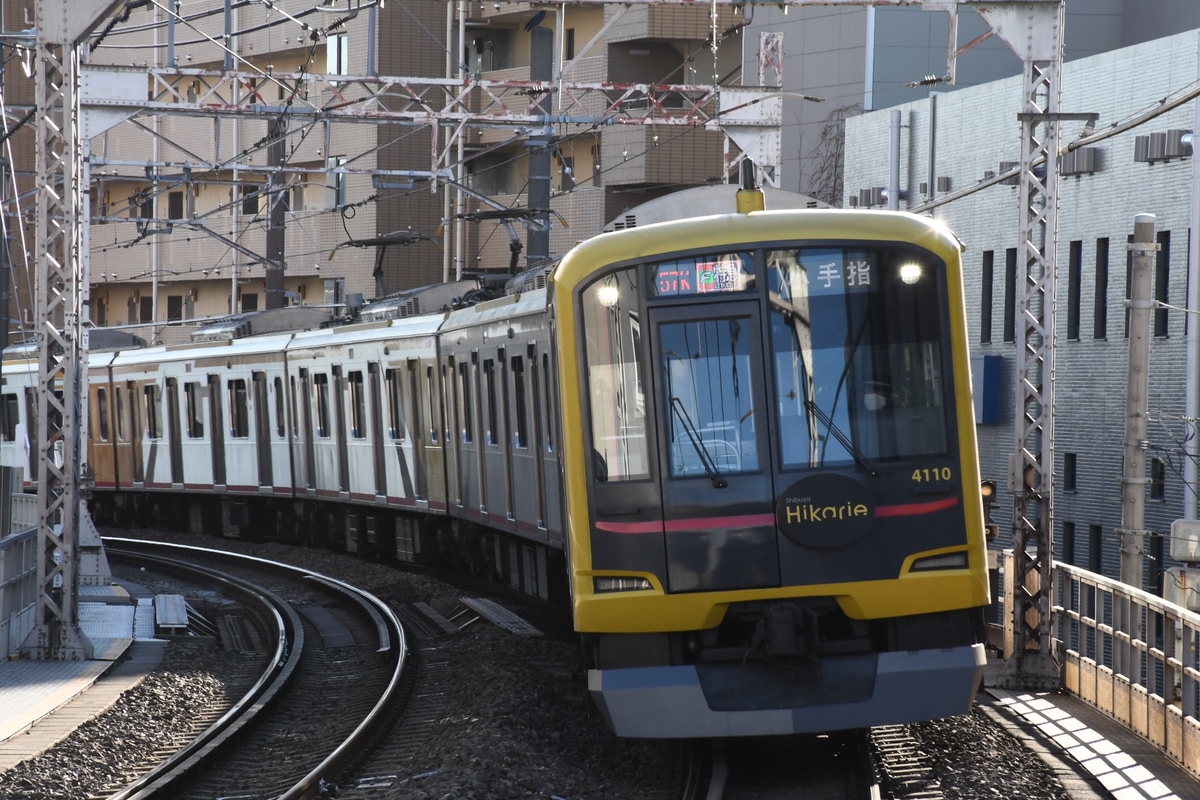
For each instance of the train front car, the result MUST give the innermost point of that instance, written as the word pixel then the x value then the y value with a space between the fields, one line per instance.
pixel 772 483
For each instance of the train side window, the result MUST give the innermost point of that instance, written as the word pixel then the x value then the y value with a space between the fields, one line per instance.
pixel 547 404
pixel 521 434
pixel 195 419
pixel 121 414
pixel 279 412
pixel 153 397
pixel 358 406
pixel 321 390
pixel 464 393
pixel 489 385
pixel 392 385
pixel 102 412
pixel 239 417
pixel 8 417
pixel 613 358
pixel 292 404
pixel 431 396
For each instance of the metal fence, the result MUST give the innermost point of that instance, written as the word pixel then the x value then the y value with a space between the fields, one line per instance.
pixel 1131 654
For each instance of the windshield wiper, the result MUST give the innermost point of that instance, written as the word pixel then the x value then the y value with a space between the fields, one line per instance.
pixel 842 438
pixel 706 459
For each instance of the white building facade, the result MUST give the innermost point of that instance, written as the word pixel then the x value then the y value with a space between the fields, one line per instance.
pixel 952 141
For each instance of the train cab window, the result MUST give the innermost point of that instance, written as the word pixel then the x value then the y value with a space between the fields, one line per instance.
pixel 102 412
pixel 195 418
pixel 239 414
pixel 358 406
pixel 152 397
pixel 709 396
pixel 857 342
pixel 8 417
pixel 321 390
pixel 279 408
pixel 121 435
pixel 521 434
pixel 612 342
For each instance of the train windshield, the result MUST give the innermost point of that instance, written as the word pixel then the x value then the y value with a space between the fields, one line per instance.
pixel 857 341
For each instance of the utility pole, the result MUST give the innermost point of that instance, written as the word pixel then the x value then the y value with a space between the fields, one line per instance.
pixel 277 210
pixel 1133 477
pixel 541 69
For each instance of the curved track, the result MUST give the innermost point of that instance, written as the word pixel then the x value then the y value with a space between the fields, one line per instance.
pixel 331 682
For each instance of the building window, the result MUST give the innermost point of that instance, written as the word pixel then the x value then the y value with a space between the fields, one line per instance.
pixel 1162 280
pixel 1100 323
pixel 9 410
pixel 1158 479
pixel 1074 278
pixel 146 309
pixel 1068 542
pixel 1069 472
pixel 1095 555
pixel 175 308
pixel 249 301
pixel 337 54
pixel 985 299
pixel 175 205
pixel 569 43
pixel 335 196
pixel 1010 294
pixel 250 200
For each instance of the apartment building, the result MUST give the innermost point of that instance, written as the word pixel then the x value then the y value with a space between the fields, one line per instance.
pixel 183 201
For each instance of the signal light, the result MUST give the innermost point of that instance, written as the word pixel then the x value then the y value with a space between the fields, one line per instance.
pixel 987 493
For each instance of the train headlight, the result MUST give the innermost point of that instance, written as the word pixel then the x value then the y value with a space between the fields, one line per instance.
pixel 947 561
pixel 606 584
pixel 910 273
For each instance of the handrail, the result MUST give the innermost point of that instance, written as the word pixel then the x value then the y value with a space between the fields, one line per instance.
pixel 1133 655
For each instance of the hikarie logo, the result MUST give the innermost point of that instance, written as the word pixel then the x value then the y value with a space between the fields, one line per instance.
pixel 827 510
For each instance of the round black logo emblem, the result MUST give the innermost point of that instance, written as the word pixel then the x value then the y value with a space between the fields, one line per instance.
pixel 826 510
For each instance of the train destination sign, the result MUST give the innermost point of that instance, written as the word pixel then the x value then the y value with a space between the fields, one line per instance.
pixel 733 272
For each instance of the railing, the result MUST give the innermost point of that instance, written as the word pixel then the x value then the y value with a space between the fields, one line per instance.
pixel 24 512
pixel 1132 655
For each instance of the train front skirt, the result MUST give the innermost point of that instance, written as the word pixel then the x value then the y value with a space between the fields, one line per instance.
pixel 857 692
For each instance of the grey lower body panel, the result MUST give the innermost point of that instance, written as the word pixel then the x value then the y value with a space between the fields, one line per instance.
pixel 676 702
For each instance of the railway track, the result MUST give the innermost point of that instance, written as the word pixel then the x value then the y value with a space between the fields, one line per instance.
pixel 331 675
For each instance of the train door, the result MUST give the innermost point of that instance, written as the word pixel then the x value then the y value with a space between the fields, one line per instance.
pixel 456 428
pixel 128 420
pixel 492 445
pixel 507 443
pixel 174 443
pixel 216 422
pixel 339 410
pixel 423 440
pixel 528 503
pixel 307 431
pixel 545 415
pixel 375 393
pixel 262 429
pixel 717 492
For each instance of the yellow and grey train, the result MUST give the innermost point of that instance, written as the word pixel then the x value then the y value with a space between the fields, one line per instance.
pixel 742 447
